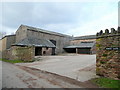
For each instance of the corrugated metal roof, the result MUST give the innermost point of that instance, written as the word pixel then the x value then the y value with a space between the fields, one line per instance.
pixel 82 45
pixel 31 41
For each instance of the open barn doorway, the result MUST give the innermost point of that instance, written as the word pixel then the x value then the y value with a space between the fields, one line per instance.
pixel 84 50
pixel 38 51
pixel 53 49
pixel 70 50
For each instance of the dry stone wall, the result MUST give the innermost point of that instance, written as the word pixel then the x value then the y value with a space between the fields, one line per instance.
pixel 19 53
pixel 108 53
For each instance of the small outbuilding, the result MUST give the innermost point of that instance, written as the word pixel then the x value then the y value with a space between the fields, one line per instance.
pixel 41 46
pixel 81 48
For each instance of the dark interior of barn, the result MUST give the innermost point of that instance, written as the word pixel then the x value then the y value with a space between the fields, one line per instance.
pixel 70 50
pixel 38 51
pixel 83 50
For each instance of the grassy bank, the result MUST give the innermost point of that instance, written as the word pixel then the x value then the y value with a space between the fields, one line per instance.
pixel 106 82
pixel 12 61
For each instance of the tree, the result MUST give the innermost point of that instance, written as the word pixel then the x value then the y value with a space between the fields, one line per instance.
pixel 2 34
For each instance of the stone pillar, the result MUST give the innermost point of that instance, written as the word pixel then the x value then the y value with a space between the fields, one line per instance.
pixel 76 50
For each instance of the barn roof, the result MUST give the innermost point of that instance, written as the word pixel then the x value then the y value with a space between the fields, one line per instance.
pixel 45 31
pixel 8 36
pixel 31 41
pixel 85 37
pixel 82 45
pixel 87 44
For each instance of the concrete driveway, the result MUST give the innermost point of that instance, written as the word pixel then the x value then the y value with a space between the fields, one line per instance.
pixel 79 67
pixel 14 76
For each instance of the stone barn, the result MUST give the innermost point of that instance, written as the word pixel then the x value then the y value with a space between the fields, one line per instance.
pixel 6 42
pixel 30 41
pixel 81 48
pixel 41 46
pixel 58 39
pixel 82 45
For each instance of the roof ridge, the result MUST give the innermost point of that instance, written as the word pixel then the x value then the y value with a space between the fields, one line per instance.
pixel 44 30
pixel 85 36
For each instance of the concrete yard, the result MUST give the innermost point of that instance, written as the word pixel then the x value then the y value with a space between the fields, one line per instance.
pixel 75 66
pixel 66 71
pixel 23 77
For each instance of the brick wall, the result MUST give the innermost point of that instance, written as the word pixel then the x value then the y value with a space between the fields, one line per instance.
pixel 108 53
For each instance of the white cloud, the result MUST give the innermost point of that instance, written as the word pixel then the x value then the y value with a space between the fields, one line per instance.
pixel 105 22
pixel 8 30
pixel 70 18
pixel 61 28
pixel 59 1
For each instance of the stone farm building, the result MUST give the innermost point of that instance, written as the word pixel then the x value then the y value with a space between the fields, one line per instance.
pixel 31 41
pixel 82 45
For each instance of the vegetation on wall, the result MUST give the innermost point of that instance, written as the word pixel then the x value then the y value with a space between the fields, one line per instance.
pixel 12 61
pixel 107 61
pixel 24 53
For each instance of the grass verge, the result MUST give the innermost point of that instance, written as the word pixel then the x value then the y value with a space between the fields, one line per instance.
pixel 12 61
pixel 106 82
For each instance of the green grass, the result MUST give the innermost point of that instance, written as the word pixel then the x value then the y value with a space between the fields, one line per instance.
pixel 12 61
pixel 107 83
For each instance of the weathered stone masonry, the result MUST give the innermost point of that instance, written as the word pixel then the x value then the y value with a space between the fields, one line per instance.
pixel 108 53
pixel 27 31
pixel 30 41
pixel 19 53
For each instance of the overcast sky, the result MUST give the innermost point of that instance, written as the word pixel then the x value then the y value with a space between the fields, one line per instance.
pixel 72 18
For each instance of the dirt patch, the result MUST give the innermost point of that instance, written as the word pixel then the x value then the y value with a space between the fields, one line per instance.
pixel 90 84
pixel 58 79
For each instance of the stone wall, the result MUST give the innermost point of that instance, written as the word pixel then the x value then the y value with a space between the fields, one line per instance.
pixel 61 41
pixel 93 49
pixel 6 42
pixel 48 51
pixel 19 53
pixel 21 33
pixel 0 45
pixel 3 44
pixel 0 48
pixel 108 53
pixel 76 42
pixel 11 39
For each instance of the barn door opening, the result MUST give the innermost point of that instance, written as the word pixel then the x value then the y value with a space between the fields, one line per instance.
pixel 53 41
pixel 70 50
pixel 53 49
pixel 38 51
pixel 84 50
